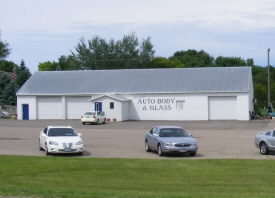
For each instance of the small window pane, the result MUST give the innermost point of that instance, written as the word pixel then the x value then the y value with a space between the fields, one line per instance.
pixel 112 105
pixel 181 104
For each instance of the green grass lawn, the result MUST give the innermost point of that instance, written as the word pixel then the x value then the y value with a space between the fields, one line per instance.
pixel 60 176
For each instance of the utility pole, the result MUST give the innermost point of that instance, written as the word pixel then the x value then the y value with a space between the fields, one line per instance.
pixel 268 78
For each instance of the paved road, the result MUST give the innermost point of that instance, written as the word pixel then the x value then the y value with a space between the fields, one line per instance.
pixel 142 125
pixel 216 139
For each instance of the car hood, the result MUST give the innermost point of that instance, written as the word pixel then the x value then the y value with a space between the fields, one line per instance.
pixel 61 139
pixel 178 140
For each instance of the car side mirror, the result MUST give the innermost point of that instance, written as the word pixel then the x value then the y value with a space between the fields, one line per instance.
pixel 155 134
pixel 79 134
pixel 190 135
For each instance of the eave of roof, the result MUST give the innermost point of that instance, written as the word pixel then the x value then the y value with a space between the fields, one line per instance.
pixel 114 96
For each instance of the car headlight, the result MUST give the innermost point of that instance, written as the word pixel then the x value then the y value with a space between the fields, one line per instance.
pixel 53 143
pixel 194 144
pixel 167 144
pixel 79 142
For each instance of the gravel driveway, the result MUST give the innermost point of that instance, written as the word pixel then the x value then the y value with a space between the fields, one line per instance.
pixel 216 139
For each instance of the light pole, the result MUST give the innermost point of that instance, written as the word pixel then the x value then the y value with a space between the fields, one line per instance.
pixel 268 81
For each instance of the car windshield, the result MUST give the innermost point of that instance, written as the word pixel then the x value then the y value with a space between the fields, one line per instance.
pixel 89 113
pixel 172 132
pixel 61 132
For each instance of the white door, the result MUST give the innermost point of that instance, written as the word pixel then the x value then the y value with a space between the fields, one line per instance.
pixel 222 108
pixel 49 108
pixel 77 106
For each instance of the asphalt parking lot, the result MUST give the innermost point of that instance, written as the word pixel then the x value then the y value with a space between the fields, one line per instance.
pixel 216 139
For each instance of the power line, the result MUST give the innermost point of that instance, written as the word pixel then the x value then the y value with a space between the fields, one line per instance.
pixel 136 59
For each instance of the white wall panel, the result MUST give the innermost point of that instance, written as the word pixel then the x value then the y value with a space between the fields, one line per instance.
pixel 77 106
pixel 164 107
pixel 49 108
pixel 31 101
pixel 223 108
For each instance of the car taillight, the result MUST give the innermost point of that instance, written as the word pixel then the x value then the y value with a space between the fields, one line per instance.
pixel 81 116
pixel 94 117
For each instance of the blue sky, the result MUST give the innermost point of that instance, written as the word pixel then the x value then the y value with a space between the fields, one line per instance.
pixel 40 31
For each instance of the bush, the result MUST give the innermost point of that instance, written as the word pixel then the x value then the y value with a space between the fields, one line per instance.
pixel 257 109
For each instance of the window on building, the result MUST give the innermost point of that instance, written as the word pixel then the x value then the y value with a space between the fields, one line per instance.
pixel 181 104
pixel 112 105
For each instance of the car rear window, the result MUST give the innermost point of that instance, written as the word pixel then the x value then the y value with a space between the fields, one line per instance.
pixel 89 113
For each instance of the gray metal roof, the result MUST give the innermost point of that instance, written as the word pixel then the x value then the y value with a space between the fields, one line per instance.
pixel 176 80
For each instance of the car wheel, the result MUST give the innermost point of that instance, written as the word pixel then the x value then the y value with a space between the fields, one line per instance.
pixel 97 122
pixel 263 148
pixel 46 150
pixel 159 150
pixel 83 123
pixel 104 121
pixel 147 146
pixel 192 154
pixel 40 148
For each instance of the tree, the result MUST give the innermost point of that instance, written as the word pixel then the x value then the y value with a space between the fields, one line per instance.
pixel 260 93
pixel 23 66
pixel 97 53
pixel 260 78
pixel 257 109
pixel 8 96
pixel 4 81
pixel 46 66
pixel 161 62
pixel 23 76
pixel 64 63
pixel 257 69
pixel 146 53
pixel 129 52
pixel 193 58
pixel 8 66
pixel 229 61
pixel 249 62
pixel 9 88
pixel 4 50
pixel 71 63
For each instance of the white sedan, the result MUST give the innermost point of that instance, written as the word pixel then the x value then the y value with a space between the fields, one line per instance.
pixel 93 117
pixel 60 139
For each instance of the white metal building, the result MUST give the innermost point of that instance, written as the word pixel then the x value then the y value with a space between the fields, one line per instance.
pixel 216 93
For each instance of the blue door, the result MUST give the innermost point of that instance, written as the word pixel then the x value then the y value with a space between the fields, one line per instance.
pixel 25 112
pixel 98 106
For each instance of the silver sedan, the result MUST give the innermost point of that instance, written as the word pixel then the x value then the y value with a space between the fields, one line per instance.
pixel 265 141
pixel 170 139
